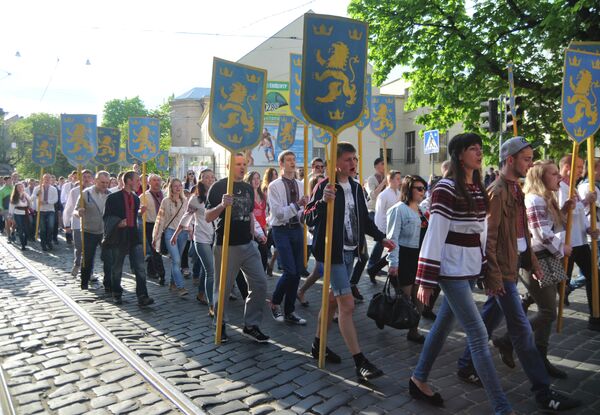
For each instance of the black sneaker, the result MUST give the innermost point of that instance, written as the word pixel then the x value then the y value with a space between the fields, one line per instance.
pixel 429 314
pixel 368 371
pixel 330 356
pixel 356 294
pixel 469 375
pixel 293 318
pixel 505 347
pixel 145 301
pixel 555 402
pixel 254 333
pixel 117 299
pixel 277 314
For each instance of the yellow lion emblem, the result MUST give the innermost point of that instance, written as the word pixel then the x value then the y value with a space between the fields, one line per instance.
pixel 335 67
pixel 581 97
pixel 235 103
pixel 78 139
pixel 162 160
pixel 43 150
pixel 381 115
pixel 143 141
pixel 105 147
pixel 286 136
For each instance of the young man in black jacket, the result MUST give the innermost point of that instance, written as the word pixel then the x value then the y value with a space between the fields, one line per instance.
pixel 351 222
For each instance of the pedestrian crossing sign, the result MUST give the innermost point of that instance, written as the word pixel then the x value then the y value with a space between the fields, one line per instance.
pixel 432 142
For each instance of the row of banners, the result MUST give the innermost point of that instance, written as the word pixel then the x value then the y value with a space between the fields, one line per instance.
pixel 83 143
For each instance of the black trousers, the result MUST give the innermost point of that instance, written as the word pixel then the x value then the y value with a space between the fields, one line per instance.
pixel 582 256
pixel 154 262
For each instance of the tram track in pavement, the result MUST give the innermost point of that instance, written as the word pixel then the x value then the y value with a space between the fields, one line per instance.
pixel 127 343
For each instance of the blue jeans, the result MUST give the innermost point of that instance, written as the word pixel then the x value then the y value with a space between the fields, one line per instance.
pixel 207 266
pixel 46 227
pixel 136 261
pixel 175 252
pixel 340 274
pixel 521 336
pixel 196 263
pixel 458 303
pixel 22 222
pixel 290 245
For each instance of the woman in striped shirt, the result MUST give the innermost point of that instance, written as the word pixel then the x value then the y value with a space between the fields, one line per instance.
pixel 452 256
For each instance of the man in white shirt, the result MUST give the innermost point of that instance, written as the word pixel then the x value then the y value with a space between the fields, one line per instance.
pixel 387 199
pixel 88 179
pixel 581 253
pixel 48 197
pixel 64 194
pixel 286 201
pixel 375 185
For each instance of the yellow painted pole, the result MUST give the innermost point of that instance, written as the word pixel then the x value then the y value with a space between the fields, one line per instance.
pixel 515 132
pixel 305 192
pixel 360 163
pixel 385 161
pixel 561 297
pixel 327 264
pixel 591 177
pixel 81 205
pixel 39 204
pixel 144 204
pixel 225 252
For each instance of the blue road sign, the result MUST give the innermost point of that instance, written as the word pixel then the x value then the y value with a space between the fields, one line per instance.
pixel 432 142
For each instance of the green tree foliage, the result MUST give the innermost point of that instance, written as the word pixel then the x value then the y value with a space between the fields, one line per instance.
pixel 456 53
pixel 117 111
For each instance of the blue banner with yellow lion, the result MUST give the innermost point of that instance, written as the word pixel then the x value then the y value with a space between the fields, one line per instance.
pixel 580 91
pixel 109 142
pixel 43 151
pixel 286 132
pixel 144 134
pixel 320 135
pixel 79 140
pixel 237 98
pixel 130 158
pixel 162 161
pixel 295 86
pixel 383 116
pixel 334 67
pixel 365 118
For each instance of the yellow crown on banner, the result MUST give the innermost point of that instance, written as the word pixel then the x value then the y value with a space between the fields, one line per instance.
pixel 579 132
pixel 336 115
pixel 253 78
pixel 234 138
pixel 596 64
pixel 226 72
pixel 322 30
pixel 355 34
pixel 574 61
pixel 297 61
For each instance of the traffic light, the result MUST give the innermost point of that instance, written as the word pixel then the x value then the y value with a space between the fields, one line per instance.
pixel 518 111
pixel 490 119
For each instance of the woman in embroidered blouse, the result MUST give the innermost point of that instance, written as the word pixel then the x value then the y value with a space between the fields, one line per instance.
pixel 172 209
pixel 405 225
pixel 452 256
pixel 260 211
pixel 17 209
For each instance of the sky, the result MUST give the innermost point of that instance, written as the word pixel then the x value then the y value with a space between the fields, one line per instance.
pixel 150 49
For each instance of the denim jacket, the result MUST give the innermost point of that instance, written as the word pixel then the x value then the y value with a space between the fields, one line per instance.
pixel 404 228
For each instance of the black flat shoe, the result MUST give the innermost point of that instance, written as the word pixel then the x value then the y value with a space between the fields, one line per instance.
pixel 418 394
pixel 416 338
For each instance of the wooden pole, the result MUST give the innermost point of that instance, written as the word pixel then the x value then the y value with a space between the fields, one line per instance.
pixel 39 204
pixel 360 163
pixel 591 176
pixel 81 205
pixel 225 252
pixel 327 263
pixel 561 297
pixel 305 192
pixel 143 200
pixel 385 161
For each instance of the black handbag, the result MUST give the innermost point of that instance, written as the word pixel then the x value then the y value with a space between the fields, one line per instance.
pixel 163 245
pixel 394 310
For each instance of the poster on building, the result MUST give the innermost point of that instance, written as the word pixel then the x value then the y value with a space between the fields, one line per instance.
pixel 277 101
pixel 267 151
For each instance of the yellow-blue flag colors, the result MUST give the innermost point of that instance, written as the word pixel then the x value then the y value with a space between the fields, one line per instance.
pixel 162 161
pixel 286 133
pixel 109 141
pixel 365 118
pixel 591 47
pixel 295 86
pixel 130 158
pixel 236 104
pixel 79 138
pixel 383 116
pixel 334 66
pixel 43 151
pixel 580 92
pixel 320 135
pixel 144 134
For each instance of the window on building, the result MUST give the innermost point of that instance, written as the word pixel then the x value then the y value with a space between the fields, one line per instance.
pixel 319 152
pixel 389 154
pixel 409 138
pixel 195 142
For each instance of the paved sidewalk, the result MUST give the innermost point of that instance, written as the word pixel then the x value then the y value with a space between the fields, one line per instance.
pixel 281 377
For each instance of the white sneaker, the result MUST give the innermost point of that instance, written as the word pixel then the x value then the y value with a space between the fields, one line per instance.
pixel 75 270
pixel 293 318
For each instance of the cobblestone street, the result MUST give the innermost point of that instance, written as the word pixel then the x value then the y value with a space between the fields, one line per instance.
pixel 54 363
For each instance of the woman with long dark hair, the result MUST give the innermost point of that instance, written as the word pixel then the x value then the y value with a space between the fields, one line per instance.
pixel 190 181
pixel 18 209
pixel 260 212
pixel 452 256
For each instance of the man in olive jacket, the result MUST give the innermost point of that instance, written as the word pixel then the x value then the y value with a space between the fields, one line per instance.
pixel 508 248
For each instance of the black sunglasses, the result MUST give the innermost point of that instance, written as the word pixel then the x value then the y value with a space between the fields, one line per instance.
pixel 419 188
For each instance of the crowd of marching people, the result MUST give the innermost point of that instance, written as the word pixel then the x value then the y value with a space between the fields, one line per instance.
pixel 447 235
